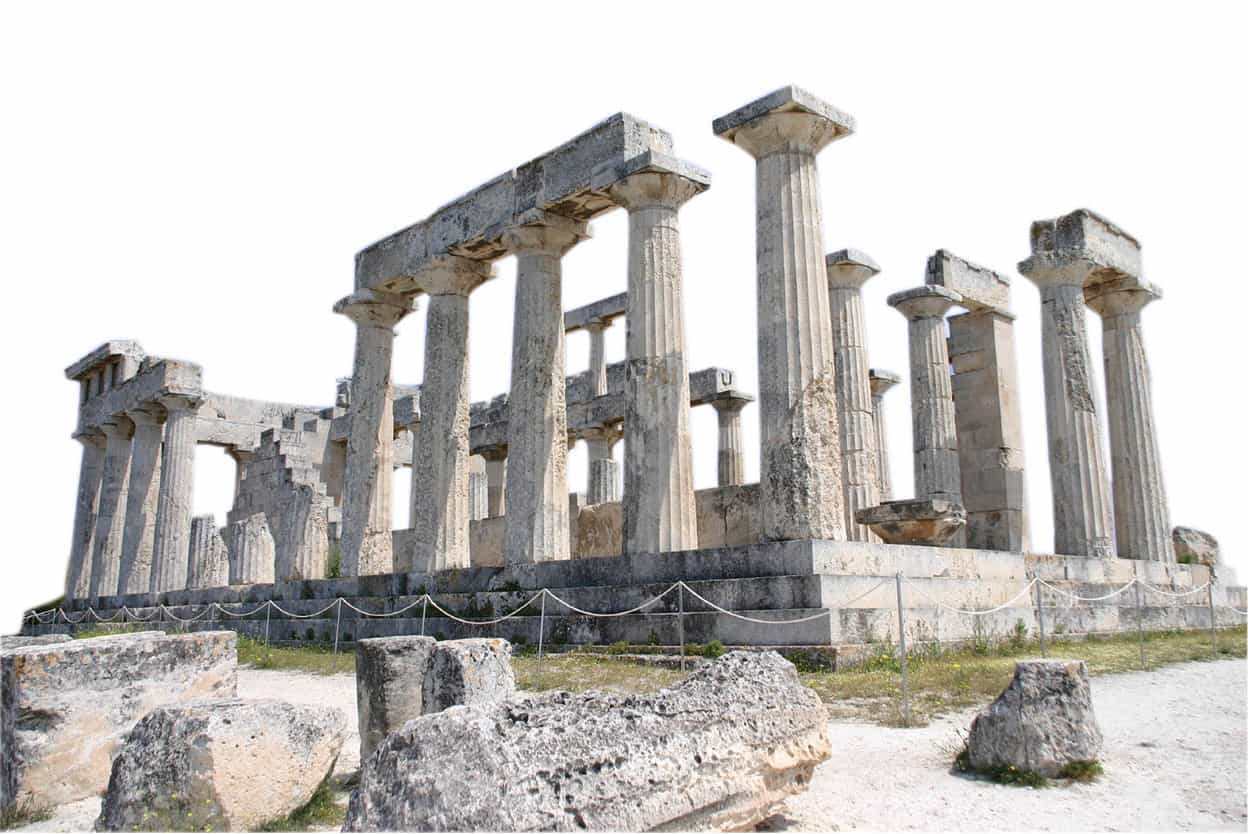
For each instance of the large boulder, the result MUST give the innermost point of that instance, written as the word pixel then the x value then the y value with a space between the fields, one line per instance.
pixel 1042 722
pixel 228 765
pixel 67 706
pixel 1194 547
pixel 719 750
pixel 401 678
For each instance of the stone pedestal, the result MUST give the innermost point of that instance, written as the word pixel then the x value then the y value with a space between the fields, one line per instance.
pixel 731 446
pixel 881 382
pixel 111 515
pixel 659 514
pixel 848 270
pixel 537 425
pixel 439 508
pixel 800 465
pixel 172 548
pixel 142 500
pixel 367 542
pixel 91 470
pixel 1141 512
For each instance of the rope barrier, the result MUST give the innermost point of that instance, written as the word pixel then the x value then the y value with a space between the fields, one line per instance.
pixel 294 616
pixel 1026 590
pixel 494 621
pixel 405 608
pixel 641 607
pixel 826 613
pixel 1174 593
pixel 1066 593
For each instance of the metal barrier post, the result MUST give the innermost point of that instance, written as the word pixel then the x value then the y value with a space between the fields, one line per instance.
pixel 541 633
pixel 337 624
pixel 680 622
pixel 1044 646
pixel 1139 620
pixel 1213 620
pixel 424 609
pixel 268 609
pixel 905 672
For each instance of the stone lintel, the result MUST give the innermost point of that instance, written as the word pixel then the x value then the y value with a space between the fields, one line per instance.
pixel 783 100
pixel 1082 240
pixel 652 162
pixel 560 181
pixel 850 268
pixel 109 350
pixel 601 311
pixel 981 288
pixel 882 380
pixel 166 378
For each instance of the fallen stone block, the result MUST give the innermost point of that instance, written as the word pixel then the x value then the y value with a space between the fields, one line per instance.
pixel 67 706
pixel 401 678
pixel 719 750
pixel 228 765
pixel 10 643
pixel 1042 722
pixel 1195 547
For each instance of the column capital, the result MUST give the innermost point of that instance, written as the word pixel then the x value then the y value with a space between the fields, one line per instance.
pixel 1120 297
pixel 925 302
pixel 492 453
pixel 881 381
pixel 90 437
pixel 786 120
pixel 453 275
pixel 850 268
pixel 375 308
pixel 652 179
pixel 179 402
pixel 730 402
pixel 150 414
pixel 116 426
pixel 1079 249
pixel 544 233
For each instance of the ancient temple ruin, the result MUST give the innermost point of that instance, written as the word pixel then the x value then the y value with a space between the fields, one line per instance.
pixel 490 503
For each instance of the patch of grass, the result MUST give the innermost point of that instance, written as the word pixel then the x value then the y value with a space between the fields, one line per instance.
pixel 579 671
pixel 23 813
pixel 321 811
pixel 104 629
pixel 317 658
pixel 1083 771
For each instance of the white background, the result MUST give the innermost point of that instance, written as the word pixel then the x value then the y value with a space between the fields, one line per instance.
pixel 199 177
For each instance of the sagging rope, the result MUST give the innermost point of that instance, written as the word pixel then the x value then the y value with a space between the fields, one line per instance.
pixel 1066 593
pixel 1008 603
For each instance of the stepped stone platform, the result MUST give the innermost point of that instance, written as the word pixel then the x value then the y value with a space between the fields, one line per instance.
pixel 853 582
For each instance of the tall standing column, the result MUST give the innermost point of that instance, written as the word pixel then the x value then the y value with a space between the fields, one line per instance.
pixel 848 270
pixel 881 382
pixel 440 508
pixel 1141 512
pixel 172 552
pixel 495 479
pixel 537 422
pixel 142 500
pixel 937 473
pixel 366 542
pixel 91 470
pixel 111 516
pixel 731 469
pixel 801 495
pixel 659 512
pixel 597 357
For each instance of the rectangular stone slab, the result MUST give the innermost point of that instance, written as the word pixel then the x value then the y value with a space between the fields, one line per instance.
pixel 980 287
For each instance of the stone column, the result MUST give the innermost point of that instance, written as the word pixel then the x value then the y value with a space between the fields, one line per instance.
pixel 142 499
pixel 440 512
pixel 537 423
pixel 172 550
pixel 659 512
pixel 597 357
pixel 495 478
pixel 731 444
pixel 1081 499
pixel 881 382
pixel 78 579
pixel 367 536
pixel 111 515
pixel 1141 512
pixel 604 471
pixel 478 496
pixel 799 431
pixel 848 270
pixel 936 470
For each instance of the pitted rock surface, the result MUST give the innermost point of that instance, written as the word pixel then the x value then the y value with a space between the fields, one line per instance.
pixel 719 750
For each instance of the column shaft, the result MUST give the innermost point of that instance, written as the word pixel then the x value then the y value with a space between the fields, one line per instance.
pixel 603 486
pixel 171 555
pixel 110 518
pixel 91 470
pixel 881 382
pixel 142 500
pixel 496 478
pixel 597 358
pixel 936 470
pixel 731 468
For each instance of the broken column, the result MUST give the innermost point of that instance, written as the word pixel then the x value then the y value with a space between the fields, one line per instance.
pixel 1066 253
pixel 142 500
pixel 604 471
pixel 439 508
pixel 172 544
pixel 800 438
pixel 111 515
pixel 847 271
pixel 90 472
pixel 209 565
pixel 537 426
pixel 367 538
pixel 936 470
pixel 659 511
pixel 731 469
pixel 1141 512
pixel 881 382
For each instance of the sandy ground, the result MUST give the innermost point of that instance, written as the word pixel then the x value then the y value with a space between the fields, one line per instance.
pixel 1176 759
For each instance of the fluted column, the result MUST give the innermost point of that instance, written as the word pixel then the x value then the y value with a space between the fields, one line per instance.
pixel 111 515
pixel 1141 511
pixel 597 357
pixel 937 473
pixel 801 496
pixel 848 270
pixel 142 500
pixel 495 479
pixel 604 471
pixel 659 512
pixel 366 543
pixel 731 445
pixel 537 419
pixel 440 510
pixel 881 382
pixel 1082 525
pixel 171 554
pixel 478 495
pixel 90 472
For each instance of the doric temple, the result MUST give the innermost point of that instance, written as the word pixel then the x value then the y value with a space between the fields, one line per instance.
pixel 491 511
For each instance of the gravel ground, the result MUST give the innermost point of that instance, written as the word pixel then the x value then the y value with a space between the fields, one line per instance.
pixel 1176 758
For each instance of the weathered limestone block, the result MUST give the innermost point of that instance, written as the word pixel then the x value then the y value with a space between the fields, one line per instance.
pixel 11 643
pixel 475 671
pixel 928 521
pixel 209 560
pixel 719 750
pixel 227 765
pixel 1042 722
pixel 66 707
pixel 1195 547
